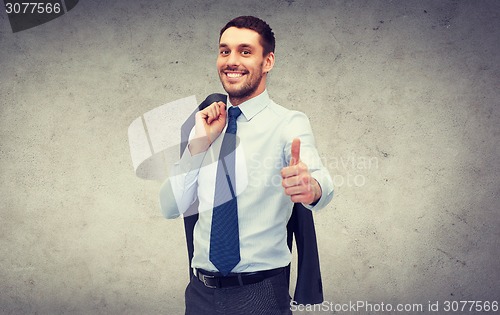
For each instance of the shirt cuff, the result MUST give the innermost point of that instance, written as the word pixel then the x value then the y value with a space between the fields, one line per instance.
pixel 325 182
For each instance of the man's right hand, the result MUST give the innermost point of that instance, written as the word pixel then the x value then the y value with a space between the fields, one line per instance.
pixel 209 124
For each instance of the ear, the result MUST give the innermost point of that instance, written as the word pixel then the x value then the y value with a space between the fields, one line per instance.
pixel 268 62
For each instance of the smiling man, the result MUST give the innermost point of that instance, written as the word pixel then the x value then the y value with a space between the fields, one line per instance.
pixel 267 161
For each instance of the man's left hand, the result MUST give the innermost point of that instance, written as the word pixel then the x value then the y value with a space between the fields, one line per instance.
pixel 297 180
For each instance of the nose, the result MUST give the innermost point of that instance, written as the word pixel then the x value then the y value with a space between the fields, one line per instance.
pixel 233 59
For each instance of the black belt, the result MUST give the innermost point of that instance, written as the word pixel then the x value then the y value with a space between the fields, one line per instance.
pixel 213 280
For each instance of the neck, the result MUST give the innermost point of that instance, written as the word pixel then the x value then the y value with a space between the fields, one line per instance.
pixel 235 100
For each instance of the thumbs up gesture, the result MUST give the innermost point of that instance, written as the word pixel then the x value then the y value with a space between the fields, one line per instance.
pixel 297 180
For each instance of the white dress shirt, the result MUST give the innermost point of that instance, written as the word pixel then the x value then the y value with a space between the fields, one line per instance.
pixel 265 132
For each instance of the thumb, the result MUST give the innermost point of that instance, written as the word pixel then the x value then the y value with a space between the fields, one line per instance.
pixel 222 108
pixel 295 152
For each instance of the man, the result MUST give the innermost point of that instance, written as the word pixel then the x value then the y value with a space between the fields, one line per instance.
pixel 245 193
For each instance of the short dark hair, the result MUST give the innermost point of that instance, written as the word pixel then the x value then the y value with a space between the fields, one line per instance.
pixel 255 24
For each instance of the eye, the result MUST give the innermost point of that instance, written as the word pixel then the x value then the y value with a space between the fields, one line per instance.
pixel 224 52
pixel 246 52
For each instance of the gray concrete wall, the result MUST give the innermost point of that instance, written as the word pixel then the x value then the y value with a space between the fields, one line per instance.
pixel 403 97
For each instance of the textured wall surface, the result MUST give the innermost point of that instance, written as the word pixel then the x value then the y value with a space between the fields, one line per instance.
pixel 403 97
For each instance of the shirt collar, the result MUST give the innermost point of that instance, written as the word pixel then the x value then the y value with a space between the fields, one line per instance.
pixel 253 106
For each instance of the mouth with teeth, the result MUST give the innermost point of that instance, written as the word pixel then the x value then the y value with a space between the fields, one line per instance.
pixel 234 76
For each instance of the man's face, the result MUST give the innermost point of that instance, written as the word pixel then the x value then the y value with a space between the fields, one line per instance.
pixel 241 63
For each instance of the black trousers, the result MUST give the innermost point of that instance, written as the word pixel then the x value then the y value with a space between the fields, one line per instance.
pixel 268 297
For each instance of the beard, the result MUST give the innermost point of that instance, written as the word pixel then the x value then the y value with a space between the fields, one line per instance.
pixel 244 89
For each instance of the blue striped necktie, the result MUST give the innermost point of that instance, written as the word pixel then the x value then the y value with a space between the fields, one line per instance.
pixel 224 234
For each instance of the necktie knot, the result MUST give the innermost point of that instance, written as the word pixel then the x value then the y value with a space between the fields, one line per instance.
pixel 233 113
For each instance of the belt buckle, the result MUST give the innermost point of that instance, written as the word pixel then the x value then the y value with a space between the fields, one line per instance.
pixel 205 282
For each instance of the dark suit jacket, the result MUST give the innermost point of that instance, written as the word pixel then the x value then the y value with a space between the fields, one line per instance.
pixel 309 288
